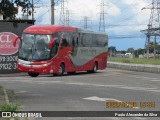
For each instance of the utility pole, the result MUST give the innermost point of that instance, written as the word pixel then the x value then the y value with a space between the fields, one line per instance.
pixel 102 26
pixel 32 9
pixel 52 12
pixel 154 25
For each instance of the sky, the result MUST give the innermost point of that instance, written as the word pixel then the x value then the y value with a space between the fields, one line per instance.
pixel 124 19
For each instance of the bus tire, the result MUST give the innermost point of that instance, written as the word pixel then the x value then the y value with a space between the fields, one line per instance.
pixel 95 68
pixel 33 74
pixel 60 71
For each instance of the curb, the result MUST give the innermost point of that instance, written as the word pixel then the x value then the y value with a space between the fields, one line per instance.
pixel 7 101
pixel 13 74
pixel 135 67
pixel 6 96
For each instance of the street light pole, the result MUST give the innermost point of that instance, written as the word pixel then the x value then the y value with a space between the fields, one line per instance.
pixel 32 10
pixel 52 12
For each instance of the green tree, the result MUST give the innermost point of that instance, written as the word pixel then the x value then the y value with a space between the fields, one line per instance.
pixel 130 50
pixel 151 47
pixel 139 52
pixel 10 9
pixel 26 6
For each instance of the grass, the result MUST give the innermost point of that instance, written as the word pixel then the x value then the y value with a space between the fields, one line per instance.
pixel 135 60
pixel 8 107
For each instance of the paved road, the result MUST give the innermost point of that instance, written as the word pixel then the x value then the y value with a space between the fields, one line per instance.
pixel 86 92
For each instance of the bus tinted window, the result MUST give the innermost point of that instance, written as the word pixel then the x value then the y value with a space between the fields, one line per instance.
pixel 94 40
pixel 86 39
pixel 102 41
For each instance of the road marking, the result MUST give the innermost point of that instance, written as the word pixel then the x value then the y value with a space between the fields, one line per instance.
pixel 21 92
pixel 95 98
pixel 155 80
pixel 117 86
pixel 39 81
pixel 138 88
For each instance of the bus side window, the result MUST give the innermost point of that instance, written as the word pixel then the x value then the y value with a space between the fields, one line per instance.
pixel 83 40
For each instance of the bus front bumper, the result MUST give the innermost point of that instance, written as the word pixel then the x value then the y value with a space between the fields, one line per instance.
pixel 41 68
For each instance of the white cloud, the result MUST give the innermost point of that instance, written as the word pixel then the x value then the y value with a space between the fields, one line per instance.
pixel 133 18
pixel 91 9
pixel 136 7
pixel 78 9
pixel 124 14
pixel 113 10
pixel 43 15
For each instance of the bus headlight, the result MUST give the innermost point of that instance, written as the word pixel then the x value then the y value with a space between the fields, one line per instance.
pixel 47 64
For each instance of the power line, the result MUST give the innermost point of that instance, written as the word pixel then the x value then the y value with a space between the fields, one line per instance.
pixel 57 2
pixel 125 37
pixel 125 25
pixel 43 14
pixel 37 2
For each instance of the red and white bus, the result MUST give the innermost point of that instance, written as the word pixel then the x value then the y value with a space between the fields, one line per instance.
pixel 58 49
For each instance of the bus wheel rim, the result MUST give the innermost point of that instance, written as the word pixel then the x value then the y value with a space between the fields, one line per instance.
pixel 95 68
pixel 60 70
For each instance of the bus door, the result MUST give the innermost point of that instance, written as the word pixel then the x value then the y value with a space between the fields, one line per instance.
pixel 64 48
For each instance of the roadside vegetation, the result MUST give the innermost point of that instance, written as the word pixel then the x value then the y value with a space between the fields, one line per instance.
pixel 8 107
pixel 135 60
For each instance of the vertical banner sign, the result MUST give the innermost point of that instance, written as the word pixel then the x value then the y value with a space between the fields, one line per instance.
pixel 8 53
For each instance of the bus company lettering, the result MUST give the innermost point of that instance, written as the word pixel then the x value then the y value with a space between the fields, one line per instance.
pixel 6 43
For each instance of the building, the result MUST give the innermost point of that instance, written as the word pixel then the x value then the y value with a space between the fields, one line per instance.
pixel 112 51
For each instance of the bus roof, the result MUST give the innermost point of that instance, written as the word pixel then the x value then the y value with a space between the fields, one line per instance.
pixel 51 29
pixel 90 31
pixel 48 29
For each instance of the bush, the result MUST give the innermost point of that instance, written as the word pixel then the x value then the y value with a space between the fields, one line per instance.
pixel 9 107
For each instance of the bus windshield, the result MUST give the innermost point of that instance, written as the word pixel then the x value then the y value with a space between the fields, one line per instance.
pixel 34 47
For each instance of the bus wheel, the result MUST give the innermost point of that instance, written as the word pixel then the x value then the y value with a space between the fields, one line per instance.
pixel 33 74
pixel 61 70
pixel 95 68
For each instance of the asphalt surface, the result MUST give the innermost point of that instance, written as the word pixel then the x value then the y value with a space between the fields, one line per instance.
pixel 86 92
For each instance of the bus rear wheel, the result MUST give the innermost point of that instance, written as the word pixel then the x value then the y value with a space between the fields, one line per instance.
pixel 33 74
pixel 95 68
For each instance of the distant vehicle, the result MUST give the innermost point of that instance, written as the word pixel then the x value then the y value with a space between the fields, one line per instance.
pixel 59 49
pixel 128 54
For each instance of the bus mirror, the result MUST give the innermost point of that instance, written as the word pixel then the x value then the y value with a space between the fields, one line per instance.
pixel 15 41
pixel 51 42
